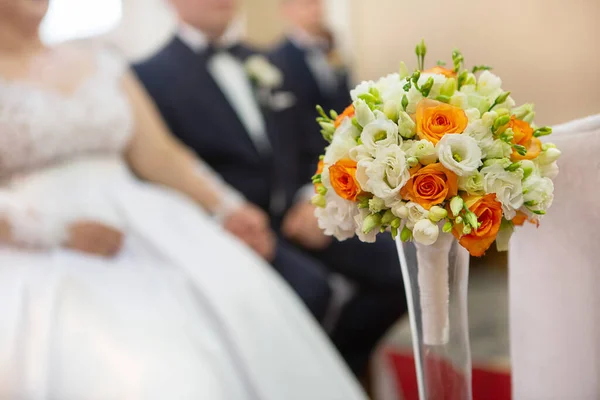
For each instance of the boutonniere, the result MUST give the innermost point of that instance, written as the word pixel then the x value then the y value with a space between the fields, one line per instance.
pixel 263 73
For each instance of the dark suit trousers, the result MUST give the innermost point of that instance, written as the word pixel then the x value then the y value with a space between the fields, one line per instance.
pixel 378 303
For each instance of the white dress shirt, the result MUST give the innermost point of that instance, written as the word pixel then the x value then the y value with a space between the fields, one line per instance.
pixel 230 75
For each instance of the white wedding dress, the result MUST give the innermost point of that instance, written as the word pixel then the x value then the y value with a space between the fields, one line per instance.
pixel 183 312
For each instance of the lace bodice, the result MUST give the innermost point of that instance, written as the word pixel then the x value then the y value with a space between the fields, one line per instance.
pixel 39 127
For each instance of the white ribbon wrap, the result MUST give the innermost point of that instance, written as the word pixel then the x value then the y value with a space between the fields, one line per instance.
pixel 434 289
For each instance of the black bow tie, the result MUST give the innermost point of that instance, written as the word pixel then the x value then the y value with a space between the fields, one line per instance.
pixel 212 50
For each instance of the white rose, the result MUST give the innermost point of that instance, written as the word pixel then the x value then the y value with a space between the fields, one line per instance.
pixel 385 175
pixel 343 141
pixel 259 68
pixel 423 150
pixel 507 187
pixel 539 193
pixel 426 232
pixel 415 214
pixel 364 114
pixel 472 184
pixel 459 153
pixel 363 88
pixel 337 218
pixel 380 133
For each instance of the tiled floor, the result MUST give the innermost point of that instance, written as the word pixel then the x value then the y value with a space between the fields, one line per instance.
pixel 488 313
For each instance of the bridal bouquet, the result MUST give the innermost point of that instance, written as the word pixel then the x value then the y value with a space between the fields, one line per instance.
pixel 441 150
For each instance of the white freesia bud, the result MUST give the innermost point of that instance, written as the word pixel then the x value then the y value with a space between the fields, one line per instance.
pixel 390 109
pixel 459 153
pixel 507 187
pixel 406 126
pixel 380 133
pixel 549 170
pixel 437 213
pixel 472 184
pixel 497 149
pixel 549 156
pixel 364 115
pixel 265 73
pixel 376 204
pixel 488 118
pixel 412 161
pixel 527 166
pixel 385 175
pixel 426 232
pixel 456 205
pixel 424 151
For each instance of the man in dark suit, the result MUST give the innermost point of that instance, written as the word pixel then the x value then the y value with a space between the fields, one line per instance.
pixel 222 101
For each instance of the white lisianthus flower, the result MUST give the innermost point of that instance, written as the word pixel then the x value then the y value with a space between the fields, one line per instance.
pixel 460 100
pixel 423 150
pixel 549 170
pixel 380 133
pixel 482 135
pixel 385 175
pixel 426 232
pixel 415 214
pixel 459 153
pixel 359 153
pixel 472 184
pixel 539 194
pixel 507 187
pixel 473 114
pixel 265 73
pixel 488 118
pixel 497 149
pixel 359 220
pixel 489 84
pixel 390 88
pixel 363 88
pixel 343 141
pixel 337 218
pixel 364 114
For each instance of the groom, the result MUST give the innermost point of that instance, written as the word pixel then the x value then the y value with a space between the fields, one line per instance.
pixel 224 104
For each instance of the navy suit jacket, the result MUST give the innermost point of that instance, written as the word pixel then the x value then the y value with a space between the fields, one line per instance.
pixel 199 114
pixel 299 79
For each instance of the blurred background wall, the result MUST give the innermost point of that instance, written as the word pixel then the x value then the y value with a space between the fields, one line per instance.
pixel 547 51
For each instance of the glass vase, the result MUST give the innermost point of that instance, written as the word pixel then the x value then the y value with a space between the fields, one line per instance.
pixel 436 291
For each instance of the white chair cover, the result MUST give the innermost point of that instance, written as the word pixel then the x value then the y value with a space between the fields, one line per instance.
pixel 555 280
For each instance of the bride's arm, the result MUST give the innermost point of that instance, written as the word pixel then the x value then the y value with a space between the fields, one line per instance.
pixel 157 156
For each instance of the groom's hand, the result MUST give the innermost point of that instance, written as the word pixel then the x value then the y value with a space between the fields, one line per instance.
pixel 252 225
pixel 300 225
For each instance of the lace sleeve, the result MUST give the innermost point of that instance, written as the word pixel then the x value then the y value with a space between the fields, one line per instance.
pixel 30 227
pixel 231 199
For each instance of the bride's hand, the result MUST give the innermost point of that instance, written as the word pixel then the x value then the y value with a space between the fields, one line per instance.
pixel 94 238
pixel 251 225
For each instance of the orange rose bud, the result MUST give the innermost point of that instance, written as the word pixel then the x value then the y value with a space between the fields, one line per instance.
pixel 348 113
pixel 342 175
pixel 448 73
pixel 435 119
pixel 523 136
pixel 430 186
pixel 489 214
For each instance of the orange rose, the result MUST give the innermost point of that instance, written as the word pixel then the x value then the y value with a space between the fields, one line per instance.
pixel 489 214
pixel 430 185
pixel 348 113
pixel 435 119
pixel 320 167
pixel 523 136
pixel 448 73
pixel 521 218
pixel 342 175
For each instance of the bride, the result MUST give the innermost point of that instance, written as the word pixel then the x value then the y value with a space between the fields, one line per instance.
pixel 111 288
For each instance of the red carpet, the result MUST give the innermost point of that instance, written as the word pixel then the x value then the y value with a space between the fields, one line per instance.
pixel 488 384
